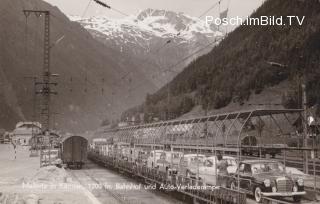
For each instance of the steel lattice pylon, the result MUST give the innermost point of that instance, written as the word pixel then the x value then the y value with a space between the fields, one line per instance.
pixel 45 90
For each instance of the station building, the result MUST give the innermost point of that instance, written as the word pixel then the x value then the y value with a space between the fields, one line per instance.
pixel 24 131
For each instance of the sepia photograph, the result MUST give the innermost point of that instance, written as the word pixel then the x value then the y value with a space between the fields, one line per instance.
pixel 159 101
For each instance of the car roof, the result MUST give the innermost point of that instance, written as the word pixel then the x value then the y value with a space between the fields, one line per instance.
pixel 228 157
pixel 224 157
pixel 194 155
pixel 255 161
pixel 158 150
pixel 173 152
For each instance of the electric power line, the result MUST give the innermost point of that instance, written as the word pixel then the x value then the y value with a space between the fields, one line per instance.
pixel 170 68
pixel 101 3
pixel 85 10
pixel 209 9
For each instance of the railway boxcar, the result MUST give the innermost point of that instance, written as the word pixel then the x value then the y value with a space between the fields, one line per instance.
pixel 74 151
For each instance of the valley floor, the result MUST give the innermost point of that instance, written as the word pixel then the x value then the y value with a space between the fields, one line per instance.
pixel 22 181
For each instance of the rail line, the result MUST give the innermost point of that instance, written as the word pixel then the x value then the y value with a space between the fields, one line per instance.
pixel 118 196
pixel 249 199
pixel 106 181
pixel 80 178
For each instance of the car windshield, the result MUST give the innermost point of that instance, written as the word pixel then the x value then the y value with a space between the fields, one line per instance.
pixel 196 164
pixel 266 167
pixel 175 155
pixel 197 158
pixel 231 162
pixel 158 154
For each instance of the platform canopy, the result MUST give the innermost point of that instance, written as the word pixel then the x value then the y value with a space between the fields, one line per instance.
pixel 219 117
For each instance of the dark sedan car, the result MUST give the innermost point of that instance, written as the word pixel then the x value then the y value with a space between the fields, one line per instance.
pixel 265 178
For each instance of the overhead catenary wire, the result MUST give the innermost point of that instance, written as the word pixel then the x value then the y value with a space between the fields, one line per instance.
pixel 92 83
pixel 179 33
pixel 192 54
pixel 86 9
pixel 101 3
pixel 116 10
pixel 170 68
pixel 209 9
pixel 106 6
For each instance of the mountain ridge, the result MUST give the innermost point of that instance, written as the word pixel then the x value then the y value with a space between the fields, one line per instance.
pixel 155 38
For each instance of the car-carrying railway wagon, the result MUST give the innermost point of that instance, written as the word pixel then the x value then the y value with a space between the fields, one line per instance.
pixel 200 136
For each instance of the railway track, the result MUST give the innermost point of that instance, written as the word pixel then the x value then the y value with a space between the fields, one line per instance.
pixel 250 199
pixel 107 187
pixel 86 181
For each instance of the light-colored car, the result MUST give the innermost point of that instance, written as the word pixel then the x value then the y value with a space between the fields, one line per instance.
pixel 208 171
pixel 189 163
pixel 153 157
pixel 169 161
pixel 296 173
pixel 139 156
pixel 127 154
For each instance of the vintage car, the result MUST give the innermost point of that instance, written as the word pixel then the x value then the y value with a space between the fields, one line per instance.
pixel 189 164
pixel 168 162
pixel 267 178
pixel 153 157
pixel 140 156
pixel 209 170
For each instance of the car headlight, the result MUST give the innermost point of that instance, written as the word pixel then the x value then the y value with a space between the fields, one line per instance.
pixel 300 182
pixel 274 189
pixel 267 182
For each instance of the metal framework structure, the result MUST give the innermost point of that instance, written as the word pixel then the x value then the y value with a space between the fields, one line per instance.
pixel 226 133
pixel 222 130
pixel 45 90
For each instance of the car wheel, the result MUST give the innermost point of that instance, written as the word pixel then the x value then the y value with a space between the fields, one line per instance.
pixel 233 186
pixel 297 199
pixel 258 194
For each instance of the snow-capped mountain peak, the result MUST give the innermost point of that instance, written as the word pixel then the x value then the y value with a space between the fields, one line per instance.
pixel 154 39
pixel 160 23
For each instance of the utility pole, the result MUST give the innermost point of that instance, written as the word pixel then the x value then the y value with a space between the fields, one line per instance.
pixel 46 75
pixel 303 85
pixel 34 102
pixel 168 116
pixel 54 119
pixel 305 123
pixel 304 120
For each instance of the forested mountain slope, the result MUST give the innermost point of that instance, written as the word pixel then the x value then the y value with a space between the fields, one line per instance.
pixel 238 66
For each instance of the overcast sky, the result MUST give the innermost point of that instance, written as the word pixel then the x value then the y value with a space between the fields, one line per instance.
pixel 195 8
